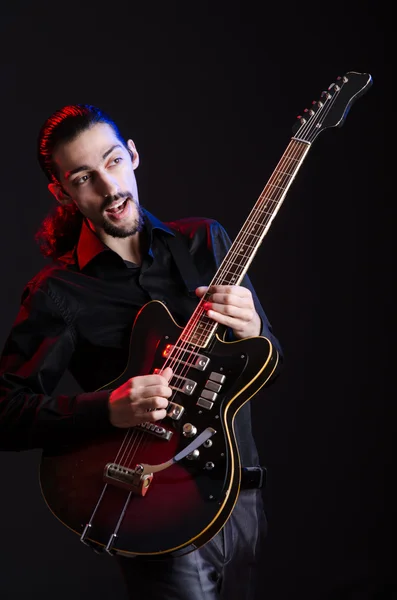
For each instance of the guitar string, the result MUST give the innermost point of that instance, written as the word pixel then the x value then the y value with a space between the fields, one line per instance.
pixel 180 349
pixel 199 312
pixel 306 125
pixel 172 359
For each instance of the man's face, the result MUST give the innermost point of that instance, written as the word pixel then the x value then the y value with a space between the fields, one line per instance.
pixel 97 173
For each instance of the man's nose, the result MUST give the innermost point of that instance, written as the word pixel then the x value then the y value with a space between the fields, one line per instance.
pixel 107 185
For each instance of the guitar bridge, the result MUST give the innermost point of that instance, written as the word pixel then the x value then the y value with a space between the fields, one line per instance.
pixel 132 480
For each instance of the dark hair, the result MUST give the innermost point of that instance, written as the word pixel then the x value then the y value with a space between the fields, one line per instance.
pixel 60 230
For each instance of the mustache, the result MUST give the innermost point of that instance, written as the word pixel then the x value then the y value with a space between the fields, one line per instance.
pixel 108 201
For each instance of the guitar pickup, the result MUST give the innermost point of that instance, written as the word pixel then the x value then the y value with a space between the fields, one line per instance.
pixel 175 411
pixel 180 384
pixel 186 386
pixel 187 357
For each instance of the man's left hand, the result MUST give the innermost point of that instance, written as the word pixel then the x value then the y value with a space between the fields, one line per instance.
pixel 233 306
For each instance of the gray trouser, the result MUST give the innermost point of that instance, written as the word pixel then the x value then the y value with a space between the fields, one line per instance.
pixel 225 568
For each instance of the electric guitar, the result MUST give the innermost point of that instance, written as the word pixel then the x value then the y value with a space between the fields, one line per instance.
pixel 166 488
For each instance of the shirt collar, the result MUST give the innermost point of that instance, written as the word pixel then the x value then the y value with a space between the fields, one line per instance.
pixel 89 245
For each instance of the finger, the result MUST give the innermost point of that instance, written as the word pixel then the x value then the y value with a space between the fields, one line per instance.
pixel 151 391
pixel 236 290
pixel 229 300
pixel 228 310
pixel 153 403
pixel 200 291
pixel 222 319
pixel 155 415
pixel 167 373
pixel 153 379
pixel 165 376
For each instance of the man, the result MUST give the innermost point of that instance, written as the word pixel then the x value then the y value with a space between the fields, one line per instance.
pixel 110 257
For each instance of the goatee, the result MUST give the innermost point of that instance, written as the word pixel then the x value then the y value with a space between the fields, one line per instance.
pixel 119 232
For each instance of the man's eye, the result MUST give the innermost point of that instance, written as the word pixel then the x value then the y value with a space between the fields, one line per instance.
pixel 81 180
pixel 117 160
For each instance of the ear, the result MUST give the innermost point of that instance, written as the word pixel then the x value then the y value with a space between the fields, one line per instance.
pixel 134 154
pixel 59 193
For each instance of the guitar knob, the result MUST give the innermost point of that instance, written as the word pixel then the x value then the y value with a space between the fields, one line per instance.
pixel 194 455
pixel 189 430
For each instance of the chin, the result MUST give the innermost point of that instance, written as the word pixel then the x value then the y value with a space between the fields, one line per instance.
pixel 123 231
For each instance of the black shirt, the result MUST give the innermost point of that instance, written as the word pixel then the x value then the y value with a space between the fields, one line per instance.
pixel 78 313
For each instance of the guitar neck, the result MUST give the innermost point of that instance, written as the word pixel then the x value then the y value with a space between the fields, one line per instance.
pixel 242 251
pixel 200 329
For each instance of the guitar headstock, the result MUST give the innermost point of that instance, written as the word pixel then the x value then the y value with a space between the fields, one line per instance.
pixel 332 108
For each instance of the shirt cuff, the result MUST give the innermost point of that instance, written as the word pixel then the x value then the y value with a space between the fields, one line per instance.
pixel 92 411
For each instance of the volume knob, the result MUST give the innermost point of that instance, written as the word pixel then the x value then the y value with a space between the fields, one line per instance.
pixel 189 430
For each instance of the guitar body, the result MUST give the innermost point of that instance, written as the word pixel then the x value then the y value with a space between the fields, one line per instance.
pixel 188 502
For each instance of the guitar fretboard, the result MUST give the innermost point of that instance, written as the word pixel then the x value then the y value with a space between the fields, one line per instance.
pixel 200 328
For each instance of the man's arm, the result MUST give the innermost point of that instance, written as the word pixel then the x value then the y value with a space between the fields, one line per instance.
pixel 35 356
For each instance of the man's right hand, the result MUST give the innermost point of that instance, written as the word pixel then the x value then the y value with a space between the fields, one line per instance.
pixel 140 399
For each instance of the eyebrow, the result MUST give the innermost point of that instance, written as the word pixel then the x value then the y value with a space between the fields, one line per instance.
pixel 86 167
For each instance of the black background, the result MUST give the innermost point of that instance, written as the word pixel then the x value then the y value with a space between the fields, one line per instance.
pixel 209 92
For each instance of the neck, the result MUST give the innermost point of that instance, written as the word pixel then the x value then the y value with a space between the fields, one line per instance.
pixel 129 248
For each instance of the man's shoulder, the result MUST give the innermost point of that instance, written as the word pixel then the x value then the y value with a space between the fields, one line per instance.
pixel 42 279
pixel 191 226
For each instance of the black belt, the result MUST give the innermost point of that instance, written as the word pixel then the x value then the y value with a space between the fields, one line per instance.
pixel 252 478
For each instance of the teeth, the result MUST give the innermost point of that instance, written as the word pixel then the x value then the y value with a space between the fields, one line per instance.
pixel 117 205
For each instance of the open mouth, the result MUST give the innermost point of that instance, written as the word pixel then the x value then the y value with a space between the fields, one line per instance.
pixel 119 210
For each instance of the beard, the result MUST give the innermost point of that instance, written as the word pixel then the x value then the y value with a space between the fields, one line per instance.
pixel 122 231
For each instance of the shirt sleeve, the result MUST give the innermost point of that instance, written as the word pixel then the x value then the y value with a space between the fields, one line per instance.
pixel 35 357
pixel 221 244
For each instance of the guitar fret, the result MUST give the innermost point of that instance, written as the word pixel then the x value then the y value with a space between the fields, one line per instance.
pixel 265 212
pixel 245 244
pixel 201 332
pixel 276 186
pixel 254 234
pixel 241 254
pixel 270 199
pixel 292 158
pixel 284 172
pixel 235 264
